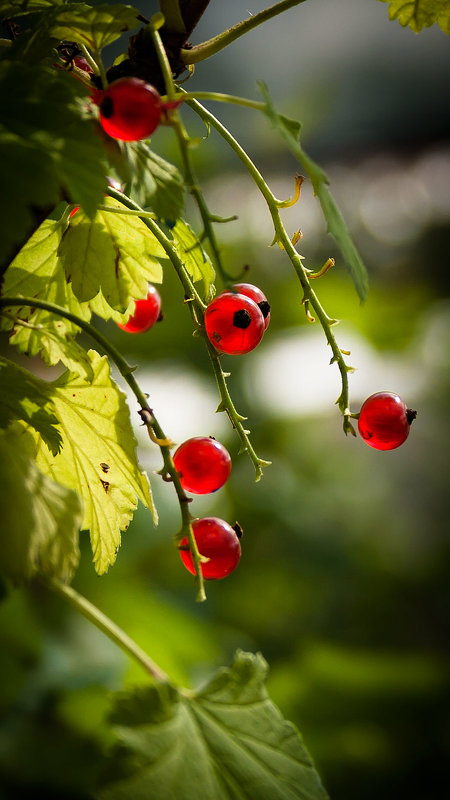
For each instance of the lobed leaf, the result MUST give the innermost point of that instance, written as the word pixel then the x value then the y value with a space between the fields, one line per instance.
pixel 37 272
pixel 154 182
pixel 114 253
pixel 290 130
pixel 225 742
pixel 419 14
pixel 48 146
pixel 98 458
pixel 40 518
pixel 95 27
pixel 22 398
pixel 196 260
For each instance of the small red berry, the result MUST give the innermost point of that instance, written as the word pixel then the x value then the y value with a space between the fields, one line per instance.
pixel 130 109
pixel 82 64
pixel 384 420
pixel 216 540
pixel 234 323
pixel 203 464
pixel 258 296
pixel 147 312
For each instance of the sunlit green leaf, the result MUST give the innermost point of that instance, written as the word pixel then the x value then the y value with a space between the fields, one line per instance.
pixel 98 459
pixel 38 273
pixel 40 518
pixel 225 742
pixel 114 252
pixel 152 181
pixel 419 14
pixel 290 130
pixel 95 27
pixel 21 398
pixel 196 260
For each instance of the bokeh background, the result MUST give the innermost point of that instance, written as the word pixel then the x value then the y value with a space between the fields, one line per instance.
pixel 343 584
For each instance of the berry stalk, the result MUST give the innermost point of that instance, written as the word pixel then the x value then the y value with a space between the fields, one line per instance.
pixel 282 237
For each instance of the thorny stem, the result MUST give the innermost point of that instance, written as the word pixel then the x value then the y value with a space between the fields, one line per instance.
pixel 190 178
pixel 107 626
pixel 281 236
pixel 217 43
pixel 197 309
pixel 146 414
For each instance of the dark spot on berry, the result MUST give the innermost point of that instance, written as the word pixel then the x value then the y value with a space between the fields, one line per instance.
pixel 105 485
pixel 238 530
pixel 410 415
pixel 265 308
pixel 105 467
pixel 216 336
pixel 107 107
pixel 242 319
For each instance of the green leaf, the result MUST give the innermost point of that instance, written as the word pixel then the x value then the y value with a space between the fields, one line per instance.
pixel 21 398
pixel 290 130
pixel 154 182
pixel 47 147
pixel 37 272
pixel 95 27
pixel 419 14
pixel 226 742
pixel 40 518
pixel 196 260
pixel 16 8
pixel 114 252
pixel 98 458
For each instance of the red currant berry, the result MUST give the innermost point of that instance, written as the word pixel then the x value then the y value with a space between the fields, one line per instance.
pixel 203 464
pixel 82 64
pixel 216 540
pixel 258 296
pixel 147 312
pixel 130 109
pixel 234 323
pixel 384 420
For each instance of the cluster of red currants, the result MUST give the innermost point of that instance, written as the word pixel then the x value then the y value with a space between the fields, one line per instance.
pixel 204 465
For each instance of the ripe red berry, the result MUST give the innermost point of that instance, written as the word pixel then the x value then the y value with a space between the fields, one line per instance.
pixel 258 296
pixel 216 540
pixel 130 109
pixel 384 420
pixel 147 312
pixel 82 64
pixel 234 323
pixel 203 464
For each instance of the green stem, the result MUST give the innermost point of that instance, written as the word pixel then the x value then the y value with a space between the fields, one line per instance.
pixel 217 43
pixel 197 308
pixel 168 246
pixel 5 42
pixel 220 97
pixel 108 627
pixel 163 62
pixel 146 414
pixel 281 236
pixel 91 61
pixel 190 178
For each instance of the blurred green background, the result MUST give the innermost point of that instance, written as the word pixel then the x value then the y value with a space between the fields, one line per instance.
pixel 343 584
